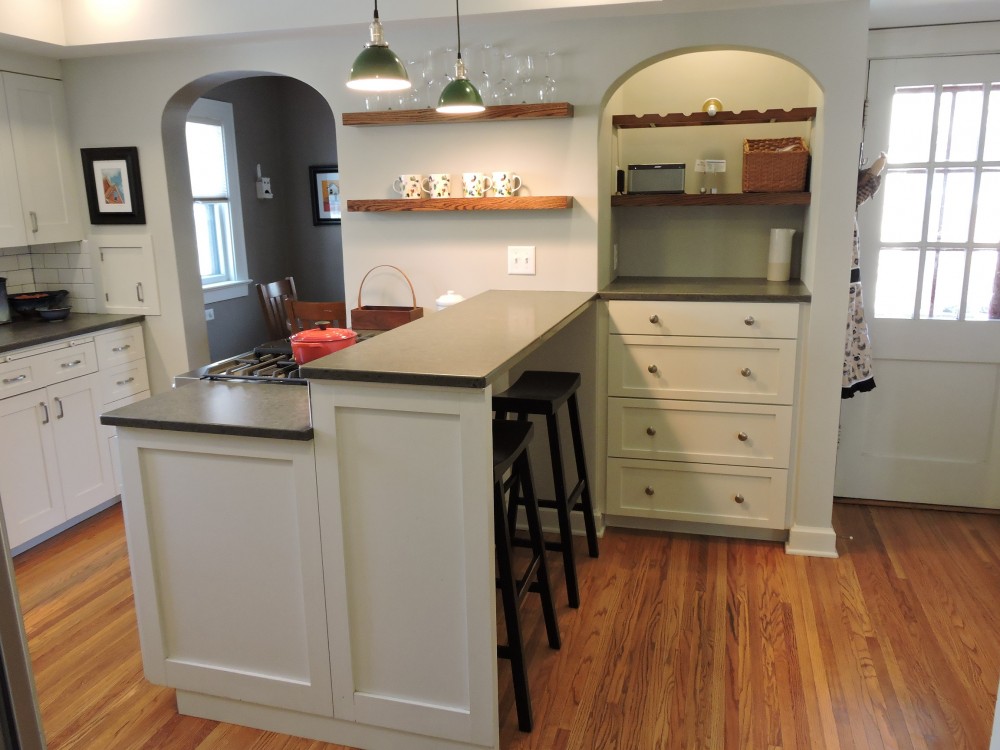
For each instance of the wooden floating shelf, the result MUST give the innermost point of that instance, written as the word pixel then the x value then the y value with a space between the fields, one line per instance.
pixel 748 117
pixel 514 203
pixel 717 199
pixel 428 115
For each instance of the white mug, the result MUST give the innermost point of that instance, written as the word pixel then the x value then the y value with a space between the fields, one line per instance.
pixel 437 185
pixel 409 185
pixel 505 184
pixel 475 184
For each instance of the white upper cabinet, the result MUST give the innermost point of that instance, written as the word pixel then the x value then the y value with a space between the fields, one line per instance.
pixel 33 122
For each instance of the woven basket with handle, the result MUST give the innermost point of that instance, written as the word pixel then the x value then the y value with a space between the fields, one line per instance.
pixel 384 317
pixel 775 165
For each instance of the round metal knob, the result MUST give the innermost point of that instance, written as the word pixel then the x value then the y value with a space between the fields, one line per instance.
pixel 651 431
pixel 654 318
pixel 652 368
pixel 649 490
pixel 739 499
pixel 742 437
pixel 745 372
pixel 749 320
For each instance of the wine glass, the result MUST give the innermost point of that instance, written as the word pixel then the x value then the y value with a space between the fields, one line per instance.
pixel 525 72
pixel 548 89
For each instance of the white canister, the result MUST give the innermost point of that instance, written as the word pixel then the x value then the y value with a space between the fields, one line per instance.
pixel 448 299
pixel 779 256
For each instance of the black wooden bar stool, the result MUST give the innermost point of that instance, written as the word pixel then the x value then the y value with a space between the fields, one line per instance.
pixel 543 393
pixel 510 453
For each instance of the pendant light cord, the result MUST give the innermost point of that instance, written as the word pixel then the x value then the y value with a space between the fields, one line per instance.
pixel 376 9
pixel 458 30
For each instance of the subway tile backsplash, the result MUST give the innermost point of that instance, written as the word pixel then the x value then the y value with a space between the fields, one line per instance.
pixel 42 268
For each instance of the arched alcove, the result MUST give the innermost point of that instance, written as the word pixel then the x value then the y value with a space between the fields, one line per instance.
pixel 285 126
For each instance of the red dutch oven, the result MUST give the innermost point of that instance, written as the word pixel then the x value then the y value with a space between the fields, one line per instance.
pixel 318 342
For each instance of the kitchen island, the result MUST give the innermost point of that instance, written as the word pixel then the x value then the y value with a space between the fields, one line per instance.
pixel 340 588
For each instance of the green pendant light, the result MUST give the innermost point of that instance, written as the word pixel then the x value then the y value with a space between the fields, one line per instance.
pixel 377 68
pixel 460 97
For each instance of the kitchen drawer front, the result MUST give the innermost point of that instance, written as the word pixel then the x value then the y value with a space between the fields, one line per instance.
pixel 123 381
pixel 702 369
pixel 21 376
pixel 698 493
pixel 69 362
pixel 731 319
pixel 701 432
pixel 119 346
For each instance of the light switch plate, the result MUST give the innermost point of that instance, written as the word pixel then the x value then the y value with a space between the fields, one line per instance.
pixel 521 260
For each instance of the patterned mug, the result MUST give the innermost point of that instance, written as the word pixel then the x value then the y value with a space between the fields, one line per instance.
pixel 505 184
pixel 475 184
pixel 408 185
pixel 437 185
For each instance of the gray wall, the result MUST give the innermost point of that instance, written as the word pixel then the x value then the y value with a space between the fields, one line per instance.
pixel 285 126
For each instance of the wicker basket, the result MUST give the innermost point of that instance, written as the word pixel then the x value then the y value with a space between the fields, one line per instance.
pixel 775 165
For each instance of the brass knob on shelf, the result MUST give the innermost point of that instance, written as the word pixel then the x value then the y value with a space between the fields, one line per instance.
pixel 652 368
pixel 649 490
pixel 748 320
pixel 654 318
pixel 745 372
pixel 739 499
pixel 651 431
pixel 742 437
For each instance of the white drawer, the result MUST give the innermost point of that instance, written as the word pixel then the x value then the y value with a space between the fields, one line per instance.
pixel 71 362
pixel 119 346
pixel 760 371
pixel 697 493
pixel 21 376
pixel 698 431
pixel 123 381
pixel 732 319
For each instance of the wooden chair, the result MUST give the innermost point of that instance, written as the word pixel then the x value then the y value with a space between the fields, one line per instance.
pixel 303 315
pixel 272 297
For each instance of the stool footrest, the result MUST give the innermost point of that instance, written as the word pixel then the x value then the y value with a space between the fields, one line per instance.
pixel 572 500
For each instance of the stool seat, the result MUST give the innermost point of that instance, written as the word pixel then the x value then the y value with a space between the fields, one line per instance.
pixel 538 392
pixel 510 439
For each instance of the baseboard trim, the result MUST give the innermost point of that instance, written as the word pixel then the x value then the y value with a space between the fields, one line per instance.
pixel 916 506
pixel 812 541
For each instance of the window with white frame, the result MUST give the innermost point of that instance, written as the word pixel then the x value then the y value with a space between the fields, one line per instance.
pixel 218 219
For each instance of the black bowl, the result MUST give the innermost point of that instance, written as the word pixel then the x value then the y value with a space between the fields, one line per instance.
pixel 53 313
pixel 26 303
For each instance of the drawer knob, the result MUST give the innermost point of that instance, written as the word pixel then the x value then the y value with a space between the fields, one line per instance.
pixel 742 437
pixel 739 499
pixel 653 368
pixel 746 372
pixel 649 490
pixel 651 431
pixel 654 318
pixel 748 320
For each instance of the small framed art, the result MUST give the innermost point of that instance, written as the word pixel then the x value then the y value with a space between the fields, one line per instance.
pixel 325 182
pixel 114 188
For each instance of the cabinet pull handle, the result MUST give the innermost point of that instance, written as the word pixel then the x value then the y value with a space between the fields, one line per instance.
pixel 60 415
pixel 739 499
pixel 45 408
pixel 34 221
pixel 652 368
pixel 74 363
pixel 649 490
pixel 126 381
pixel 138 291
pixel 742 437
pixel 122 348
pixel 748 320
pixel 746 372
pixel 18 379
pixel 651 431
pixel 654 318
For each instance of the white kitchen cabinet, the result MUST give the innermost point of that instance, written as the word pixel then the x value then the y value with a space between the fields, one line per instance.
pixel 700 411
pixel 34 149
pixel 126 274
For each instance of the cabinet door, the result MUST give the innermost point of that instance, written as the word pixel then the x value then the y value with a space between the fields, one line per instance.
pixel 11 218
pixel 85 473
pixel 30 490
pixel 126 274
pixel 45 176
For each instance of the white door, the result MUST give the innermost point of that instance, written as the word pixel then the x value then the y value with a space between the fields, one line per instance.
pixel 930 431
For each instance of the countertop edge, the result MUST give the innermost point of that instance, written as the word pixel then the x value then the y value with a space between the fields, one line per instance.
pixel 208 429
pixel 38 333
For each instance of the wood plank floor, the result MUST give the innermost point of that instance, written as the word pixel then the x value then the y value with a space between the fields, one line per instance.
pixel 682 642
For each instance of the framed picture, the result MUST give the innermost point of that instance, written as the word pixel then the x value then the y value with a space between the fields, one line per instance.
pixel 325 194
pixel 114 190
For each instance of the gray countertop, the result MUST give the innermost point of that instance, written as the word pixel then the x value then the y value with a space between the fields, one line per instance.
pixel 705 290
pixel 27 332
pixel 465 346
pixel 266 410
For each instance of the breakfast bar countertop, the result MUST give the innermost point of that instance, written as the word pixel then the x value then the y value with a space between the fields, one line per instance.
pixel 715 289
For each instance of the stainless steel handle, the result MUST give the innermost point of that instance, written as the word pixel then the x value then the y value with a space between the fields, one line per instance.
pixel 649 490
pixel 651 431
pixel 126 381
pixel 739 499
pixel 745 372
pixel 742 437
pixel 122 348
pixel 748 320
pixel 138 291
pixel 45 408
pixel 654 318
pixel 11 381
pixel 74 363
pixel 34 221
pixel 652 368
pixel 60 415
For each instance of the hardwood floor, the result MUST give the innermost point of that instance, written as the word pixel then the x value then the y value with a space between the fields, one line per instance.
pixel 681 642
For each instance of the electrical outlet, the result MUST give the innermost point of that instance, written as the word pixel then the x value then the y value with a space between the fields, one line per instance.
pixel 521 260
pixel 209 313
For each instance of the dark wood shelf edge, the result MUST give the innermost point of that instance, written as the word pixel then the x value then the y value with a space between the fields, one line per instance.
pixel 747 117
pixel 515 203
pixel 718 199
pixel 424 116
